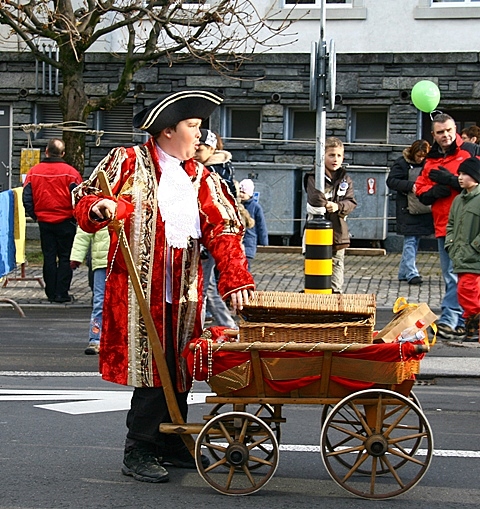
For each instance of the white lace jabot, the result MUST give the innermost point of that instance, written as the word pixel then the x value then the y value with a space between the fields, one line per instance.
pixel 177 201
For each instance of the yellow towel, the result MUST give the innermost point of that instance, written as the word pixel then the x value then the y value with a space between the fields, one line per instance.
pixel 20 225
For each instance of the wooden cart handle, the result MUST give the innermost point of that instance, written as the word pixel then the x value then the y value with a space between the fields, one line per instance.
pixel 152 332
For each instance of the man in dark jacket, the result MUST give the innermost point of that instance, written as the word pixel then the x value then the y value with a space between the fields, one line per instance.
pixel 437 186
pixel 47 199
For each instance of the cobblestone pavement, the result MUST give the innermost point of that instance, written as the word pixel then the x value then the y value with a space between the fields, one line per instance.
pixel 278 271
pixel 363 274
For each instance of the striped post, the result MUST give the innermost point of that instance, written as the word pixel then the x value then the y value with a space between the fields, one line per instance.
pixel 318 255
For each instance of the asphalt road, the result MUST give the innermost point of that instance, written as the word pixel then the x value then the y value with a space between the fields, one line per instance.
pixel 62 430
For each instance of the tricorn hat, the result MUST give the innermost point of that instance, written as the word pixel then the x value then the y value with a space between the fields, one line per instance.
pixel 173 108
pixel 471 166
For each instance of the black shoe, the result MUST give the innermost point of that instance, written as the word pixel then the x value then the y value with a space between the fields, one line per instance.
pixel 472 325
pixel 143 465
pixel 181 458
pixel 417 280
pixel 64 300
pixel 460 332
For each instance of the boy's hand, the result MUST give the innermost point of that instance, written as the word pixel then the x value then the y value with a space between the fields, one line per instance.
pixel 240 298
pixel 331 206
pixel 103 210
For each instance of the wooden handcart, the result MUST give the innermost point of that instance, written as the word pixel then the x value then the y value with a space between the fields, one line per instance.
pixel 375 441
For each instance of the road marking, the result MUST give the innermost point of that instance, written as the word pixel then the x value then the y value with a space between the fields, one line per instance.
pixel 90 402
pixel 83 402
pixel 446 453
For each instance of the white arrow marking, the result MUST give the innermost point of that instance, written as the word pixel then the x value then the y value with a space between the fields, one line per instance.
pixel 83 402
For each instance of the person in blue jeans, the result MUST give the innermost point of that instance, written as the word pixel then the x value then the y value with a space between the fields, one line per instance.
pixel 413 226
pixel 99 244
pixel 211 153
pixel 258 234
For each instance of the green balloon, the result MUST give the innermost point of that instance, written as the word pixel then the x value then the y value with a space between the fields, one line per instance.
pixel 425 96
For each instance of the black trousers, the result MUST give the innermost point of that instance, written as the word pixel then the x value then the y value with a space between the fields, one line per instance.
pixel 56 240
pixel 148 407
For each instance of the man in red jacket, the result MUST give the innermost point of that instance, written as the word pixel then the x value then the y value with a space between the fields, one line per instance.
pixel 47 199
pixel 437 186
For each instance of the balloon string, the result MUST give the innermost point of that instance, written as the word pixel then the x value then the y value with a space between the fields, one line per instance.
pixel 434 113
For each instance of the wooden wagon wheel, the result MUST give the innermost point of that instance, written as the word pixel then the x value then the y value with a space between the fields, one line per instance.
pixel 345 416
pixel 380 436
pixel 266 413
pixel 246 453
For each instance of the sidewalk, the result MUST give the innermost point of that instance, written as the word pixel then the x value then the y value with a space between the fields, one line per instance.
pixel 278 271
pixel 283 271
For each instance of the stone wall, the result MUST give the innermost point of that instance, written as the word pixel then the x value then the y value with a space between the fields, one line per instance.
pixel 273 82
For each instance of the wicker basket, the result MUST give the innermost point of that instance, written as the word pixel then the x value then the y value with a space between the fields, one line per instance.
pixel 308 318
pixel 341 332
pixel 270 306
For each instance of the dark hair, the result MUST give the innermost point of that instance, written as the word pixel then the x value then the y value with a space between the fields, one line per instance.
pixel 55 147
pixel 416 147
pixel 472 132
pixel 441 118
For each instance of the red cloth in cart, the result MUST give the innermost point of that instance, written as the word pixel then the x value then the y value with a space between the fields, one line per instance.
pixel 204 364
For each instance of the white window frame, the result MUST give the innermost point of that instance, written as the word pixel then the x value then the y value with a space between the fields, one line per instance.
pixel 354 9
pixel 426 9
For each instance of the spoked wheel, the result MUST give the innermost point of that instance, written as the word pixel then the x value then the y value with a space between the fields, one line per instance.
pixel 346 417
pixel 266 413
pixel 376 433
pixel 245 453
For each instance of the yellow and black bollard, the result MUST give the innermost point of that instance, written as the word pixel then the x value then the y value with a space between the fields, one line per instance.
pixel 318 255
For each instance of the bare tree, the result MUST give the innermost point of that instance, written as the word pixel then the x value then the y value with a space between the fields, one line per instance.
pixel 222 32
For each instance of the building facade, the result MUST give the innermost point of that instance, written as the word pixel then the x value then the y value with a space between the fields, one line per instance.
pixel 383 48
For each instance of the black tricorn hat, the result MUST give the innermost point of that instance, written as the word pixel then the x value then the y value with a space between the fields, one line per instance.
pixel 173 108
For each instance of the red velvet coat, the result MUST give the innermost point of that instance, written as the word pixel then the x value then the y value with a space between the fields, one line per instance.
pixel 126 355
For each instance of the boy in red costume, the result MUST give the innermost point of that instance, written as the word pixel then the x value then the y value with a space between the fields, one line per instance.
pixel 176 204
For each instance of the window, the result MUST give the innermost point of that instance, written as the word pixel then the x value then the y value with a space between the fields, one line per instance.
pixel 48 113
pixel 117 123
pixel 301 125
pixel 311 9
pixel 369 125
pixel 243 123
pixel 447 9
pixel 316 2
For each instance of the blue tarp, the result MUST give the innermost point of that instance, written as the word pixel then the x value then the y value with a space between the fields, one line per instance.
pixel 7 232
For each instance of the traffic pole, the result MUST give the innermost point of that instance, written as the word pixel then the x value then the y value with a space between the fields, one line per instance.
pixel 318 255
